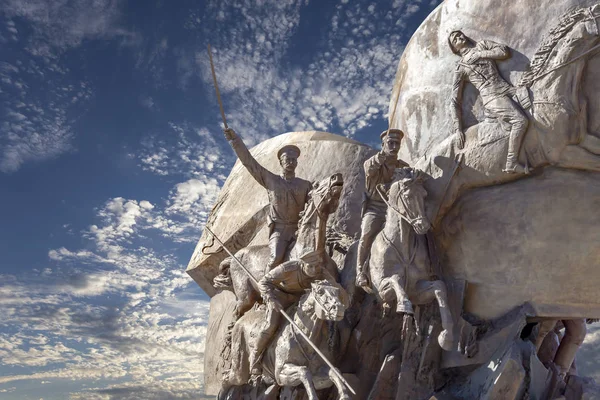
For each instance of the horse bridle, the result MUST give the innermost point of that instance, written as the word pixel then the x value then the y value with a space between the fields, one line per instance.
pixel 330 185
pixel 413 249
pixel 402 215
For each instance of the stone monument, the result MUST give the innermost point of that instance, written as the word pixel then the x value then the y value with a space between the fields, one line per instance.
pixel 476 267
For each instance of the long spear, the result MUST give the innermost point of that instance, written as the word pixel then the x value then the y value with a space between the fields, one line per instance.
pixel 290 320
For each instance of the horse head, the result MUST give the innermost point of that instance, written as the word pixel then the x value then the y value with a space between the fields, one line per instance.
pixel 407 198
pixel 324 198
pixel 327 304
pixel 565 47
pixel 326 194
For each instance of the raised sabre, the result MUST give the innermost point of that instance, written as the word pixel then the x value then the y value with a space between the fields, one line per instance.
pixel 290 320
pixel 214 76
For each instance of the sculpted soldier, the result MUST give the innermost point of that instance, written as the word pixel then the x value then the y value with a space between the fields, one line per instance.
pixel 379 169
pixel 283 286
pixel 287 194
pixel 477 65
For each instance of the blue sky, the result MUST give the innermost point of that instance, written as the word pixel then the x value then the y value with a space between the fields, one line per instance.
pixel 111 156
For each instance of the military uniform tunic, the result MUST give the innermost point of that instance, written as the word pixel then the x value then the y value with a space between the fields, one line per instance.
pixel 287 198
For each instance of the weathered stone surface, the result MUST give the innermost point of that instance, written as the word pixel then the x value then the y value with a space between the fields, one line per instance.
pixel 220 316
pixel 524 241
pixel 425 72
pixel 538 377
pixel 521 241
pixel 242 204
pixel 502 378
pixel 580 388
pixel 491 338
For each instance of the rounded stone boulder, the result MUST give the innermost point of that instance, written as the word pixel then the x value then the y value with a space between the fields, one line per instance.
pixel 239 216
pixel 513 238
pixel 425 73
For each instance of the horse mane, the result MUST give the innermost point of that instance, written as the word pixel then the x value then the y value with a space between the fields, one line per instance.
pixel 539 62
pixel 318 191
pixel 405 176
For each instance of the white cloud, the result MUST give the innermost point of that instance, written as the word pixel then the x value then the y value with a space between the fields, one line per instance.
pixel 59 25
pixel 344 88
pixel 38 94
pixel 191 152
pixel 589 353
pixel 36 98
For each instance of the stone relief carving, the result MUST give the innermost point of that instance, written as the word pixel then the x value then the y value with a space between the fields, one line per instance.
pixel 312 227
pixel 478 66
pixel 545 117
pixel 575 330
pixel 287 194
pixel 379 169
pixel 399 262
pixel 289 361
pixel 556 133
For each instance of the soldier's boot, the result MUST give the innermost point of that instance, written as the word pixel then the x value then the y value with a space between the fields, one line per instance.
pixel 512 164
pixel 512 158
pixel 362 275
pixel 575 331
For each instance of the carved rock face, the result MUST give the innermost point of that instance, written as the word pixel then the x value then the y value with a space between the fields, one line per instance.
pixel 239 215
pixel 531 239
pixel 425 72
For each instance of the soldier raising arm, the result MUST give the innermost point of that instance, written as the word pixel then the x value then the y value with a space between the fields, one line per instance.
pixel 287 194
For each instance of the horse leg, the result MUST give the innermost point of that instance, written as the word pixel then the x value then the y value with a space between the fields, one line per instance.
pixel 544 328
pixel 294 375
pixel 387 294
pixel 428 291
pixel 575 330
pixel 577 157
pixel 339 385
pixel 243 305
pixel 403 304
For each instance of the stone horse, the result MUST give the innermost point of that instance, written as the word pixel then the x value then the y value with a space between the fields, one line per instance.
pixel 557 133
pixel 311 235
pixel 289 360
pixel 399 264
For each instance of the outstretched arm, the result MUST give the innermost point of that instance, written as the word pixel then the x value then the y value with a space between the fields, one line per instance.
pixel 493 50
pixel 258 172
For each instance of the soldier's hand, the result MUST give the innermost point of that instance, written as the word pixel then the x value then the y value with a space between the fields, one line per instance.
pixel 229 134
pixel 459 139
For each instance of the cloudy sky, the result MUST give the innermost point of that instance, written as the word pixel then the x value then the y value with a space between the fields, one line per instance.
pixel 111 156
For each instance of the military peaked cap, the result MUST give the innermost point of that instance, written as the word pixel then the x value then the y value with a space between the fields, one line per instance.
pixel 289 149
